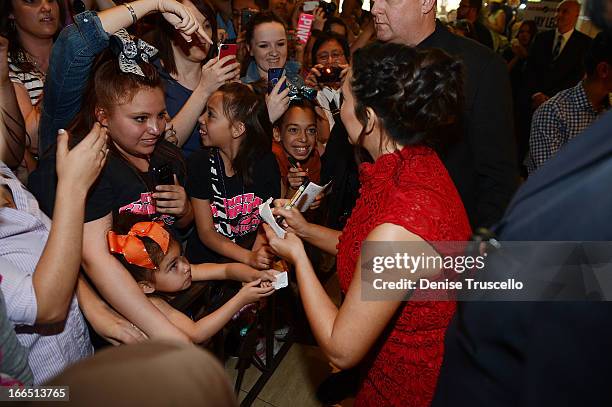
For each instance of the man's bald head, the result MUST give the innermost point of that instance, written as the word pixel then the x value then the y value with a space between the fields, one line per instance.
pixel 567 15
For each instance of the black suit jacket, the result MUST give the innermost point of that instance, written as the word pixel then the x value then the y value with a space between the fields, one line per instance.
pixel 548 76
pixel 532 354
pixel 482 163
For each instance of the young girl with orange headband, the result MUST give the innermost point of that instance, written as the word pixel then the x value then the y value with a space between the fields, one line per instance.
pixel 154 258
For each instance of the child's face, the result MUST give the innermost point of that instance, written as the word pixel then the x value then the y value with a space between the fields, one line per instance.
pixel 215 128
pixel 174 273
pixel 298 132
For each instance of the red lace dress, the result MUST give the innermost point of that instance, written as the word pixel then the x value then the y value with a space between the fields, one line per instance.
pixel 412 189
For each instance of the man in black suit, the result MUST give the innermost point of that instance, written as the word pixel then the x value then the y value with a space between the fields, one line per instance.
pixel 470 10
pixel 555 58
pixel 523 354
pixel 482 162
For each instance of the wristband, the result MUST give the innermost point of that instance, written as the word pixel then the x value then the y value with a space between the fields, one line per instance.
pixel 132 12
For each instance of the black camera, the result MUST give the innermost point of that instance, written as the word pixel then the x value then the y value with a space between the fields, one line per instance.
pixel 328 8
pixel 330 74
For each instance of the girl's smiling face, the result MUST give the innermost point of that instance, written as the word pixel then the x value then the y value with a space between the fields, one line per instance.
pixel 298 132
pixel 269 47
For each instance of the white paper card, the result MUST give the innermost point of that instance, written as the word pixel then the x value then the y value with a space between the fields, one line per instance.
pixel 309 195
pixel 282 281
pixel 266 214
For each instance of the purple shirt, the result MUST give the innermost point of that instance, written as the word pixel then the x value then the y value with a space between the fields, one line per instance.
pixel 23 235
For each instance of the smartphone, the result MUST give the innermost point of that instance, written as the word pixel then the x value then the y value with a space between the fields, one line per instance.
pixel 274 75
pixel 310 5
pixel 227 49
pixel 163 175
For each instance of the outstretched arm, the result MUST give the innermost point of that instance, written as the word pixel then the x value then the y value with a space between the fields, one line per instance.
pixel 346 334
pixel 118 287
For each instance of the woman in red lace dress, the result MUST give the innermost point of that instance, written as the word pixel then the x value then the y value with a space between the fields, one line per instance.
pixel 397 100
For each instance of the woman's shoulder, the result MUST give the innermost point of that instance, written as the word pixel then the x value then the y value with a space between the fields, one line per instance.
pixel 425 200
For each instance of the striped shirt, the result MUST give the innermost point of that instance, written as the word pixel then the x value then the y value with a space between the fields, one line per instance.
pixel 23 235
pixel 33 81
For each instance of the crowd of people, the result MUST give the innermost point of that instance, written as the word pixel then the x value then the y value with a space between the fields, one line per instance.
pixel 139 139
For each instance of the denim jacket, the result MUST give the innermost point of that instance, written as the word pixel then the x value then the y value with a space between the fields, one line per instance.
pixel 72 57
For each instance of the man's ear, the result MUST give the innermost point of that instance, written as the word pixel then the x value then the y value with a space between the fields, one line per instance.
pixel 427 6
pixel 146 287
pixel 238 130
pixel 276 134
pixel 101 116
pixel 371 120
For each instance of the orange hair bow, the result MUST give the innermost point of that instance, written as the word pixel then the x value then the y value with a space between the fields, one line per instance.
pixel 133 249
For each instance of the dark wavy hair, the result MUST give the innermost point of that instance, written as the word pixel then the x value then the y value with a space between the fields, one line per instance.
pixel 16 52
pixel 258 19
pixel 241 104
pixel 416 94
pixel 324 38
pixel 166 34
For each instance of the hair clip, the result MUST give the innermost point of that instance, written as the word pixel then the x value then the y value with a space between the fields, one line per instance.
pixel 133 249
pixel 302 92
pixel 131 51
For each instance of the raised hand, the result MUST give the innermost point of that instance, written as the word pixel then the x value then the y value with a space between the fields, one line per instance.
pixel 312 79
pixel 278 102
pixel 214 74
pixel 80 166
pixel 182 19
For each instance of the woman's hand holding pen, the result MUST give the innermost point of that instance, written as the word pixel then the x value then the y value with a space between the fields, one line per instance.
pixel 293 221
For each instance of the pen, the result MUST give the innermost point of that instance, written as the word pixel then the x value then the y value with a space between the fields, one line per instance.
pixel 296 197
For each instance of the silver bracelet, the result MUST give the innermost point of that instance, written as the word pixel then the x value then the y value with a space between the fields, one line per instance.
pixel 132 12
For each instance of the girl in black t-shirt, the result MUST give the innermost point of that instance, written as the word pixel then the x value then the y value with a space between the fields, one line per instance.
pixel 231 177
pixel 125 95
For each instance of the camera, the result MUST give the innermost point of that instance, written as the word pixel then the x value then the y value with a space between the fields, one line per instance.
pixel 330 74
pixel 328 8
